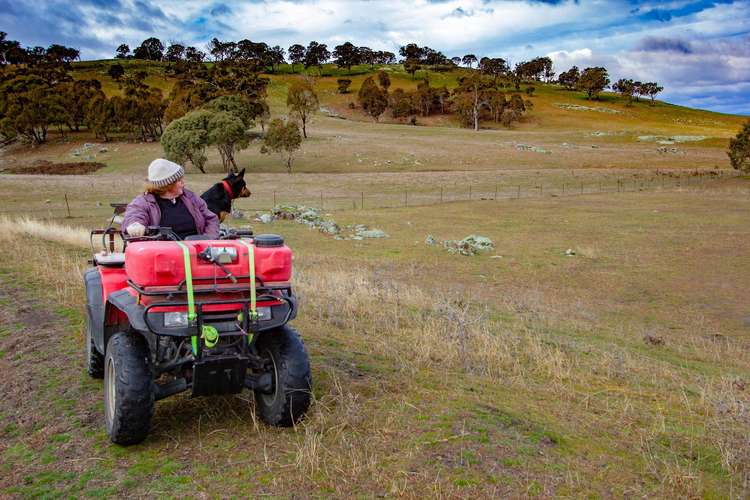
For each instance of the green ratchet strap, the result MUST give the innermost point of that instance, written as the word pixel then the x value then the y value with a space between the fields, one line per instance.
pixel 251 258
pixel 209 334
pixel 189 284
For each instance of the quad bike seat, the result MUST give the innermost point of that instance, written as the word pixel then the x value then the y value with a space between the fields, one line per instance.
pixel 110 259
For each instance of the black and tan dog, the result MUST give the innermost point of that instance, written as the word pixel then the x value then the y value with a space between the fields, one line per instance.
pixel 219 196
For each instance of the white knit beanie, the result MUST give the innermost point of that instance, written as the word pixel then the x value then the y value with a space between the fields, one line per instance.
pixel 163 172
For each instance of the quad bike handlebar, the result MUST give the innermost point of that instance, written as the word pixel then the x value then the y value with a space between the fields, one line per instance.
pixel 162 233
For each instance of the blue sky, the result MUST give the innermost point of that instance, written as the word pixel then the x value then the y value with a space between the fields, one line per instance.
pixel 698 50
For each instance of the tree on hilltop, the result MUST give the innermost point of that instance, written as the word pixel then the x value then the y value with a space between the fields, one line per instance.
pixel 411 51
pixel 367 56
pixel 296 55
pixel 569 79
pixel 175 52
pixel 739 149
pixel 123 51
pixel 593 81
pixel 346 55
pixel 469 59
pixel 651 89
pixel 494 66
pixel 316 54
pixel 194 55
pixel 626 88
pixel 151 49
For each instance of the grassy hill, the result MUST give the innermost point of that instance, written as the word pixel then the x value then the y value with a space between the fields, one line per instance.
pixel 599 350
pixel 564 130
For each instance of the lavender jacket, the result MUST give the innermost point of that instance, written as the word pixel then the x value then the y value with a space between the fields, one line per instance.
pixel 145 210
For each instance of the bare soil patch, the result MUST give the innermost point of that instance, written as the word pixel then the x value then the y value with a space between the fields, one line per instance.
pixel 46 167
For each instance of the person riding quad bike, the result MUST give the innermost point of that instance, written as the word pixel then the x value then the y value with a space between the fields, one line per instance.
pixel 207 314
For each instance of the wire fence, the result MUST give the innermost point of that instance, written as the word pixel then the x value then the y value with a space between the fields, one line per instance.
pixel 71 204
pixel 414 197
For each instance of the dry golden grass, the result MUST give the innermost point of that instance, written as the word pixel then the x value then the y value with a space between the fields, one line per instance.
pixel 610 373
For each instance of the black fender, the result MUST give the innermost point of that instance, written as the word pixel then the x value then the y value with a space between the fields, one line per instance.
pixel 95 306
pixel 128 304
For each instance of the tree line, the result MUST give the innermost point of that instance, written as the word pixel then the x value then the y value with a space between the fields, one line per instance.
pixel 214 105
pixel 592 80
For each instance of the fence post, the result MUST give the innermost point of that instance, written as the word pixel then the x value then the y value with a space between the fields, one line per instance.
pixel 362 205
pixel 563 189
pixel 274 198
pixel 441 194
pixel 582 188
pixel 66 204
pixel 519 192
pixel 321 200
pixel 618 185
pixel 406 198
pixel 469 191
pixel 495 191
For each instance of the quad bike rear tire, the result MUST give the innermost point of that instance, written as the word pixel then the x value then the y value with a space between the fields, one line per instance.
pixel 289 397
pixel 128 389
pixel 94 359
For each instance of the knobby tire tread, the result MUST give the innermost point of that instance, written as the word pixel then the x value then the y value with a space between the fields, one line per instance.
pixel 134 389
pixel 294 377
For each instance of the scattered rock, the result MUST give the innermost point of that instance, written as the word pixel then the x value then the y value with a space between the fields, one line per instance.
pixel 471 245
pixel 672 139
pixel 665 149
pixel 372 233
pixel 578 107
pixel 430 240
pixel 653 339
pixel 536 149
pixel 312 218
pixel 238 214
pixel 569 252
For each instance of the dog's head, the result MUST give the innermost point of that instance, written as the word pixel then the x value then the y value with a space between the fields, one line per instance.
pixel 237 184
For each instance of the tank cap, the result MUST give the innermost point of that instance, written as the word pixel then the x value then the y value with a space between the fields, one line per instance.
pixel 268 240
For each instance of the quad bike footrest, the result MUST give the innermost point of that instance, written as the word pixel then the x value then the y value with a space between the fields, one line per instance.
pixel 219 375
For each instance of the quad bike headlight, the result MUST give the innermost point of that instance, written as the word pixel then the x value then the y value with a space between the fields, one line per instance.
pixel 175 319
pixel 264 313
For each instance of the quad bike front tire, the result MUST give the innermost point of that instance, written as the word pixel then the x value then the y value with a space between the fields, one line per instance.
pixel 94 359
pixel 289 397
pixel 128 389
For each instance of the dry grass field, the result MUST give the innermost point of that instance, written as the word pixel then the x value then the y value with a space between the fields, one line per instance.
pixel 618 371
pixel 600 350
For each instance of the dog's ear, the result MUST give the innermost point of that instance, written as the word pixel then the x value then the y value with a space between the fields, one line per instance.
pixel 241 174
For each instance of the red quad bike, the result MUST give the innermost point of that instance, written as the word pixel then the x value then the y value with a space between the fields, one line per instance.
pixel 207 316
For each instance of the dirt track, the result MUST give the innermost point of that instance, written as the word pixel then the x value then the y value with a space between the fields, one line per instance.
pixel 44 396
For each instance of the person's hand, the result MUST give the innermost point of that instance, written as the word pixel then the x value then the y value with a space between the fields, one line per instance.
pixel 136 229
